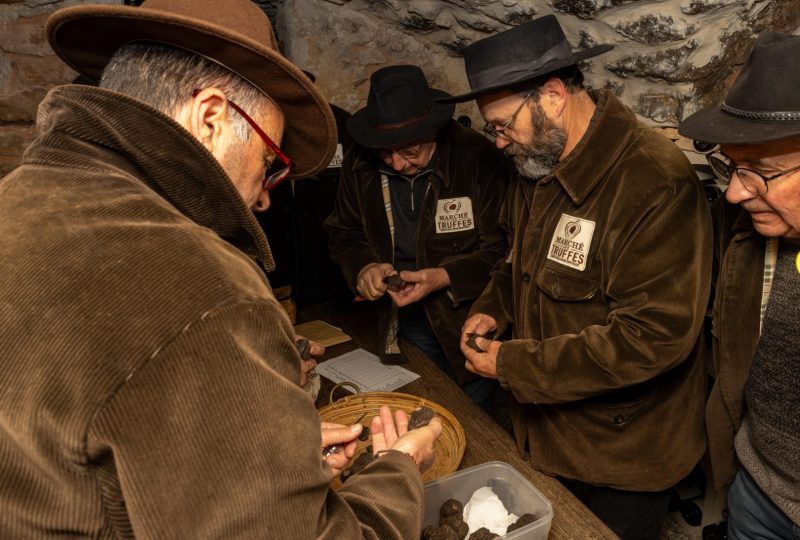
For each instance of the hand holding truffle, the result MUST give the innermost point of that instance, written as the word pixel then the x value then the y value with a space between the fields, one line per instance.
pixel 478 347
pixel 370 282
pixel 419 284
pixel 417 443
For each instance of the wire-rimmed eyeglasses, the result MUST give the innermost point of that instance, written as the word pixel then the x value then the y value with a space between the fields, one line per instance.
pixel 753 181
pixel 500 132
pixel 407 152
pixel 281 166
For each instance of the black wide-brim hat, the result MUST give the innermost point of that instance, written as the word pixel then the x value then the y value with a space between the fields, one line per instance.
pixel 763 104
pixel 237 36
pixel 401 108
pixel 520 54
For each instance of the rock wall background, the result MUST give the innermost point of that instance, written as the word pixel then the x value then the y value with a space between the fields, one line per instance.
pixel 671 58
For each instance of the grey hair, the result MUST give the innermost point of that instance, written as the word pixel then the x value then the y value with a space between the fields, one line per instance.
pixel 165 77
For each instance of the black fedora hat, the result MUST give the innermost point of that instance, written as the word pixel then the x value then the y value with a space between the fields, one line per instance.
pixel 401 108
pixel 763 104
pixel 520 54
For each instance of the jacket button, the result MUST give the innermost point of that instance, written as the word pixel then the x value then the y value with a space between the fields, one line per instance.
pixel 526 277
pixel 456 249
pixel 619 419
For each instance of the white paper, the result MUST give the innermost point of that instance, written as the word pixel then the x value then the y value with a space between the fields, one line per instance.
pixel 365 370
pixel 485 509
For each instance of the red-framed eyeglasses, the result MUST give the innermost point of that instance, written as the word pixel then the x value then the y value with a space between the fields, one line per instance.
pixel 281 166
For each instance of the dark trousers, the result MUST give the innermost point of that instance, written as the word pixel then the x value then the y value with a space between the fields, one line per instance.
pixel 632 515
pixel 754 515
pixel 415 328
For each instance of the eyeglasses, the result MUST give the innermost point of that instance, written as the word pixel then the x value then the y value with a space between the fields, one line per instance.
pixel 407 152
pixel 754 182
pixel 281 166
pixel 500 132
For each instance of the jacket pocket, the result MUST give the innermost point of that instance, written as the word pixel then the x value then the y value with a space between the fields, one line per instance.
pixel 564 287
pixel 619 415
pixel 449 244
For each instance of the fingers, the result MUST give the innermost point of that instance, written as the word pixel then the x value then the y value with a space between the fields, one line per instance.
pixel 480 324
pixel 402 422
pixel 337 434
pixel 418 443
pixel 316 348
pixel 370 280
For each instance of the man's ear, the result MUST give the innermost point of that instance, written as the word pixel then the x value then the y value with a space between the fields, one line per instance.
pixel 205 117
pixel 554 96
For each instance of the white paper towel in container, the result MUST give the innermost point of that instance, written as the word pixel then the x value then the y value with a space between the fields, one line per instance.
pixel 485 509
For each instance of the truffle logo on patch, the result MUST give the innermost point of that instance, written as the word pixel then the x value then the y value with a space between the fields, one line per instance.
pixel 453 215
pixel 572 229
pixel 452 206
pixel 571 241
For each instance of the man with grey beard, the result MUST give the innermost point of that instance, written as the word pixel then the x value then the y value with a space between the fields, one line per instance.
pixel 593 321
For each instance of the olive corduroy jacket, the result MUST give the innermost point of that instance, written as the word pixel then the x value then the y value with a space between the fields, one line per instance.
pixel 150 380
pixel 606 293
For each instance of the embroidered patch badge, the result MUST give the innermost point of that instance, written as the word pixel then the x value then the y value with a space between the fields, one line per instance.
pixel 336 161
pixel 571 242
pixel 453 215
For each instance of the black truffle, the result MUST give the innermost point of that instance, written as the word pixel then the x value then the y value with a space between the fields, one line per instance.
pixel 420 418
pixel 363 459
pixel 523 520
pixel 483 534
pixel 451 507
pixel 438 533
pixel 394 282
pixel 456 523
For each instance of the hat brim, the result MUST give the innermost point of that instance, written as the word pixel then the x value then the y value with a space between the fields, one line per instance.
pixel 369 137
pixel 571 60
pixel 718 127
pixel 85 38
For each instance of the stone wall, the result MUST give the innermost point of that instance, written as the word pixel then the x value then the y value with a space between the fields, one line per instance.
pixel 671 57
pixel 28 69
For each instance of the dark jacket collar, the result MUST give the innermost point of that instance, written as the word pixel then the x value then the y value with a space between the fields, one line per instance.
pixel 96 129
pixel 609 133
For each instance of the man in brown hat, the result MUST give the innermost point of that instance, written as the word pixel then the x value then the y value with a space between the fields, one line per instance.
pixel 606 285
pixel 420 197
pixel 150 378
pixel 752 413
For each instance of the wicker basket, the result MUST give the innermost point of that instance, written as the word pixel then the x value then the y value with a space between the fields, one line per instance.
pixel 448 449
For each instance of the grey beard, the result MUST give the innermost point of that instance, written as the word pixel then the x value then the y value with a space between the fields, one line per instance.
pixel 537 160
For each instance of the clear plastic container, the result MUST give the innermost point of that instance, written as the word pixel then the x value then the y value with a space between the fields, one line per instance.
pixel 514 490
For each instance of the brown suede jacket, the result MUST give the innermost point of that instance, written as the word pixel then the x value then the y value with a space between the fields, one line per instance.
pixel 606 291
pixel 149 380
pixel 736 332
pixel 468 165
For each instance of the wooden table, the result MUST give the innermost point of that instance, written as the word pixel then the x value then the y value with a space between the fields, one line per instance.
pixel 486 440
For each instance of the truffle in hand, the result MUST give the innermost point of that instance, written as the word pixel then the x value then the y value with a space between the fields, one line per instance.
pixel 420 418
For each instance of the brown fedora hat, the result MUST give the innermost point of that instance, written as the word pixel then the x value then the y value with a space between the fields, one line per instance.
pixel 763 104
pixel 519 54
pixel 401 108
pixel 237 35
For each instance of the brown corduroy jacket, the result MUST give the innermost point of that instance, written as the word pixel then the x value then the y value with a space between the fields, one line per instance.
pixel 467 166
pixel 149 380
pixel 736 332
pixel 606 292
